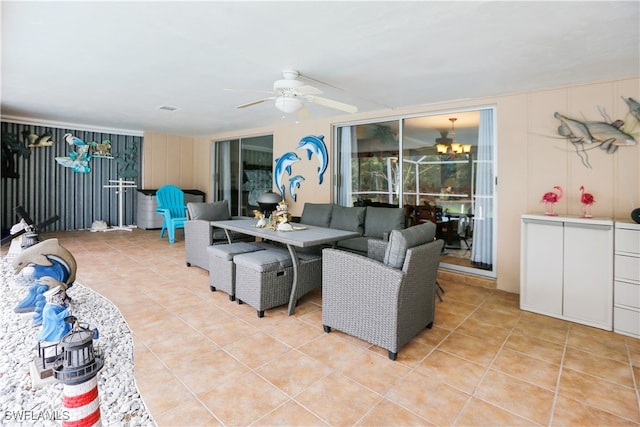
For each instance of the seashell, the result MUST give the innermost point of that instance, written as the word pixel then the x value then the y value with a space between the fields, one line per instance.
pixel 285 226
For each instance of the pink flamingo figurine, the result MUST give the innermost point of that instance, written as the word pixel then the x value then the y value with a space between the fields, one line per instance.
pixel 551 198
pixel 587 200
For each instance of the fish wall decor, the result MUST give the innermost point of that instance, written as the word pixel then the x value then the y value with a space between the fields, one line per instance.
pixel 608 136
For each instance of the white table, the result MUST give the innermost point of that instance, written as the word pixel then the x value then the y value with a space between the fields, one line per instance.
pixel 310 236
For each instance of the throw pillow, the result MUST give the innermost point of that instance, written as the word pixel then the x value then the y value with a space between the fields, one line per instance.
pixel 216 211
pixel 402 240
pixel 379 221
pixel 350 219
pixel 318 214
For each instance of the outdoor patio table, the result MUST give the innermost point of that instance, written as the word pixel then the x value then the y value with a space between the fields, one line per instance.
pixel 298 238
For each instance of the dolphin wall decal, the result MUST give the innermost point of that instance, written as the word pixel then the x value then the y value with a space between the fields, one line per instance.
pixel 315 145
pixel 294 183
pixel 283 164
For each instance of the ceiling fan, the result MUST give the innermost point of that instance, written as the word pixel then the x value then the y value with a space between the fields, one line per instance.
pixel 289 94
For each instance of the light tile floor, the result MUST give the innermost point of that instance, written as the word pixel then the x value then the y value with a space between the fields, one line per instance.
pixel 203 360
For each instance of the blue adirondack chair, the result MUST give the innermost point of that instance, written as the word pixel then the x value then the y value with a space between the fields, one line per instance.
pixel 171 206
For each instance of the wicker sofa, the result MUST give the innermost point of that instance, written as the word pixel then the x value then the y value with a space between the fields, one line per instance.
pixel 371 222
pixel 199 234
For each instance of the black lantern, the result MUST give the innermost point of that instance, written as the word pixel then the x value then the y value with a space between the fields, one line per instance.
pixel 268 202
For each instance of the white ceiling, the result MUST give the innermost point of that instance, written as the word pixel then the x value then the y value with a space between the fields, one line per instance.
pixel 112 64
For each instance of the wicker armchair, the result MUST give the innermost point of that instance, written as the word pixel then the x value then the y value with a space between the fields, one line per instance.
pixel 377 302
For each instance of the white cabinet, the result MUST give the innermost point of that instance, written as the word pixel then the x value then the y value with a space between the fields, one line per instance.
pixel 626 309
pixel 566 268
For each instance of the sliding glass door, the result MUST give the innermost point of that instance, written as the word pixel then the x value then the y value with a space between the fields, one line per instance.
pixel 439 168
pixel 243 171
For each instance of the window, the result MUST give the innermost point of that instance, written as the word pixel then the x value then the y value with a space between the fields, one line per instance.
pixel 243 171
pixel 438 167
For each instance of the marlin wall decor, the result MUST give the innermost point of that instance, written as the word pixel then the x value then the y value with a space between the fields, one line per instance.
pixel 608 135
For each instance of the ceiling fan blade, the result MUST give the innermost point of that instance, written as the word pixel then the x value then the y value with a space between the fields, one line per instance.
pixel 308 90
pixel 332 104
pixel 259 101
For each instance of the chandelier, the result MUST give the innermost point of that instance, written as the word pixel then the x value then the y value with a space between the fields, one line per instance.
pixel 454 147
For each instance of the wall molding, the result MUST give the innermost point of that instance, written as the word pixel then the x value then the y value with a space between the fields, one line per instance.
pixel 64 125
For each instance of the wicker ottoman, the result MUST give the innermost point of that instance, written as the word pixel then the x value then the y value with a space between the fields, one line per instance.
pixel 309 268
pixel 263 279
pixel 309 274
pixel 222 268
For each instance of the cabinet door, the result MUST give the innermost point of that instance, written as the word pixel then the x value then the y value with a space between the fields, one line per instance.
pixel 588 274
pixel 541 267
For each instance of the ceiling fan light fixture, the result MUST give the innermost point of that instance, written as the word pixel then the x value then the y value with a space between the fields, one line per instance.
pixel 288 104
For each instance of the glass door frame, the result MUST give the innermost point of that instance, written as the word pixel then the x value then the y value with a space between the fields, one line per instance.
pixel 236 148
pixel 338 179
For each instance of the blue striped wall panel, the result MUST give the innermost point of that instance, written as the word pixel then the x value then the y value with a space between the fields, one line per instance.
pixel 46 188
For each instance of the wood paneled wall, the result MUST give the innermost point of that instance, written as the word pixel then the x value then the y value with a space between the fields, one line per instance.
pixel 169 159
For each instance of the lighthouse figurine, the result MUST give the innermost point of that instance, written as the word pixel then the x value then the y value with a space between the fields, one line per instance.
pixel 78 372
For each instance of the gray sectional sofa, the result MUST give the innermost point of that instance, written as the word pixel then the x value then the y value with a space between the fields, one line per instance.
pixel 371 222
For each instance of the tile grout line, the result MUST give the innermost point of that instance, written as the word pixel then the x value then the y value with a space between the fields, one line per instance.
pixel 557 387
pixel 484 375
pixel 636 386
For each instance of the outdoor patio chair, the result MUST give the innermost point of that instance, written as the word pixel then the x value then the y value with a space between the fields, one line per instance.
pixel 171 206
pixel 384 302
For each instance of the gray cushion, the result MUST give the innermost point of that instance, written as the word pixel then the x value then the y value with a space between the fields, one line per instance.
pixel 401 240
pixel 356 244
pixel 228 251
pixel 350 219
pixel 318 214
pixel 218 234
pixel 267 260
pixel 216 211
pixel 379 221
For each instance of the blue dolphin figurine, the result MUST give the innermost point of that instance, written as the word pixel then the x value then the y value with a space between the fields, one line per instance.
pixel 283 163
pixel 315 145
pixel 294 183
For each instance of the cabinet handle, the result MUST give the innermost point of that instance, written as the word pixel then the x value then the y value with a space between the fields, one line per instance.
pixel 589 226
pixel 542 222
